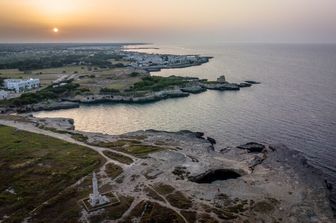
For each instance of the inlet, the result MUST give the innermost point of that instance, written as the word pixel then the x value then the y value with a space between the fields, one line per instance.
pixel 215 175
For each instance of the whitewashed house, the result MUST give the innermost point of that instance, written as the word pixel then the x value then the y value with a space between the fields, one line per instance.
pixel 19 85
pixel 3 95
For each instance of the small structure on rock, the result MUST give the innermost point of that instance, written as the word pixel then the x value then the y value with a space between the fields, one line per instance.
pixel 221 79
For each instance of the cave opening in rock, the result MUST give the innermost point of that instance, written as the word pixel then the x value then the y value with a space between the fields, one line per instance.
pixel 215 175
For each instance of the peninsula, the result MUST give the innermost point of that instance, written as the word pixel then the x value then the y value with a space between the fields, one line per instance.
pixel 68 75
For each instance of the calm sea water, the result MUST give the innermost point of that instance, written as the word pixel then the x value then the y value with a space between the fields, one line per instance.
pixel 294 105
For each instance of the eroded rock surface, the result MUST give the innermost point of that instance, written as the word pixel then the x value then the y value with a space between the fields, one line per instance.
pixel 185 175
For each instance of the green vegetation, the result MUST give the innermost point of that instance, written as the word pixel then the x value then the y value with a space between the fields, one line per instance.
pixel 134 74
pixel 206 218
pixel 157 83
pixel 62 208
pixel 79 137
pixel 42 95
pixel 164 189
pixel 153 212
pixel 17 118
pixel 133 147
pixel 118 157
pixel 265 206
pixel 100 60
pixel 142 150
pixel 113 212
pixel 113 170
pixel 109 91
pixel 179 200
pixel 151 193
pixel 34 168
pixel 191 216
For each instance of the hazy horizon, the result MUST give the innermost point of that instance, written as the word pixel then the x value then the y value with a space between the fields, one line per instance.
pixel 197 21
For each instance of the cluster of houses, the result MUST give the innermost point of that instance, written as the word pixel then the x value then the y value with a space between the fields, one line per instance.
pixel 147 60
pixel 18 86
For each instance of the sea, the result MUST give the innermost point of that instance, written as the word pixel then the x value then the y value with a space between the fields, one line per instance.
pixel 295 104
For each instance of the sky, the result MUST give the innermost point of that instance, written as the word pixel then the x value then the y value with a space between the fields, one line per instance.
pixel 168 21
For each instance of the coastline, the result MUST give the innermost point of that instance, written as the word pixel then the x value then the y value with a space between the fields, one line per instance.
pixel 192 85
pixel 278 179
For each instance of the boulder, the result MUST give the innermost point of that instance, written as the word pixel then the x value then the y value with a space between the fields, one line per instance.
pixel 193 89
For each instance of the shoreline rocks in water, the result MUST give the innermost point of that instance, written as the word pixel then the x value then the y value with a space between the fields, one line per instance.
pixel 197 86
pixel 188 85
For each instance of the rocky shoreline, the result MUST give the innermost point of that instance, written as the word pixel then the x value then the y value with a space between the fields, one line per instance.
pixel 178 92
pixel 252 182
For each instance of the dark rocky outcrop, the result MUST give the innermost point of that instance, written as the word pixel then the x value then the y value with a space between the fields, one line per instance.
pixel 244 84
pixel 252 82
pixel 252 147
pixel 211 140
pixel 193 89
pixel 222 86
pixel 199 135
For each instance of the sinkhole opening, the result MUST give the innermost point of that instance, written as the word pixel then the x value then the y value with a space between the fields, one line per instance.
pixel 215 175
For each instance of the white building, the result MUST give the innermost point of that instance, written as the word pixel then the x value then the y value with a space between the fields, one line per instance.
pixel 96 198
pixel 20 85
pixel 3 95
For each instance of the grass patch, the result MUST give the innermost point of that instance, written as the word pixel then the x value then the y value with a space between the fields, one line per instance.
pixel 76 136
pixel 62 208
pixel 153 194
pixel 113 170
pixel 48 93
pixel 157 83
pixel 206 218
pixel 79 137
pixel 133 147
pixel 36 168
pixel 113 212
pixel 153 212
pixel 119 143
pixel 179 200
pixel 118 157
pixel 142 150
pixel 265 206
pixel 191 216
pixel 164 189
pixel 16 118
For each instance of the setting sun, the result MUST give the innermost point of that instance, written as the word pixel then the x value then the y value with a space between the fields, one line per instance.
pixel 55 30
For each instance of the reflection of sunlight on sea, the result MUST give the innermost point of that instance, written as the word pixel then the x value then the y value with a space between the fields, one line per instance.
pixel 294 105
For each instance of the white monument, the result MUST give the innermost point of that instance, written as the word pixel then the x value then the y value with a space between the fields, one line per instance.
pixel 96 198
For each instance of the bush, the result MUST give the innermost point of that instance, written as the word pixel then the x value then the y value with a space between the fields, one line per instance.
pixel 109 90
pixel 134 74
pixel 45 94
pixel 156 83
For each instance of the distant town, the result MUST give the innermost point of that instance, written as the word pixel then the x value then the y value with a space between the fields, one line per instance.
pixel 20 72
